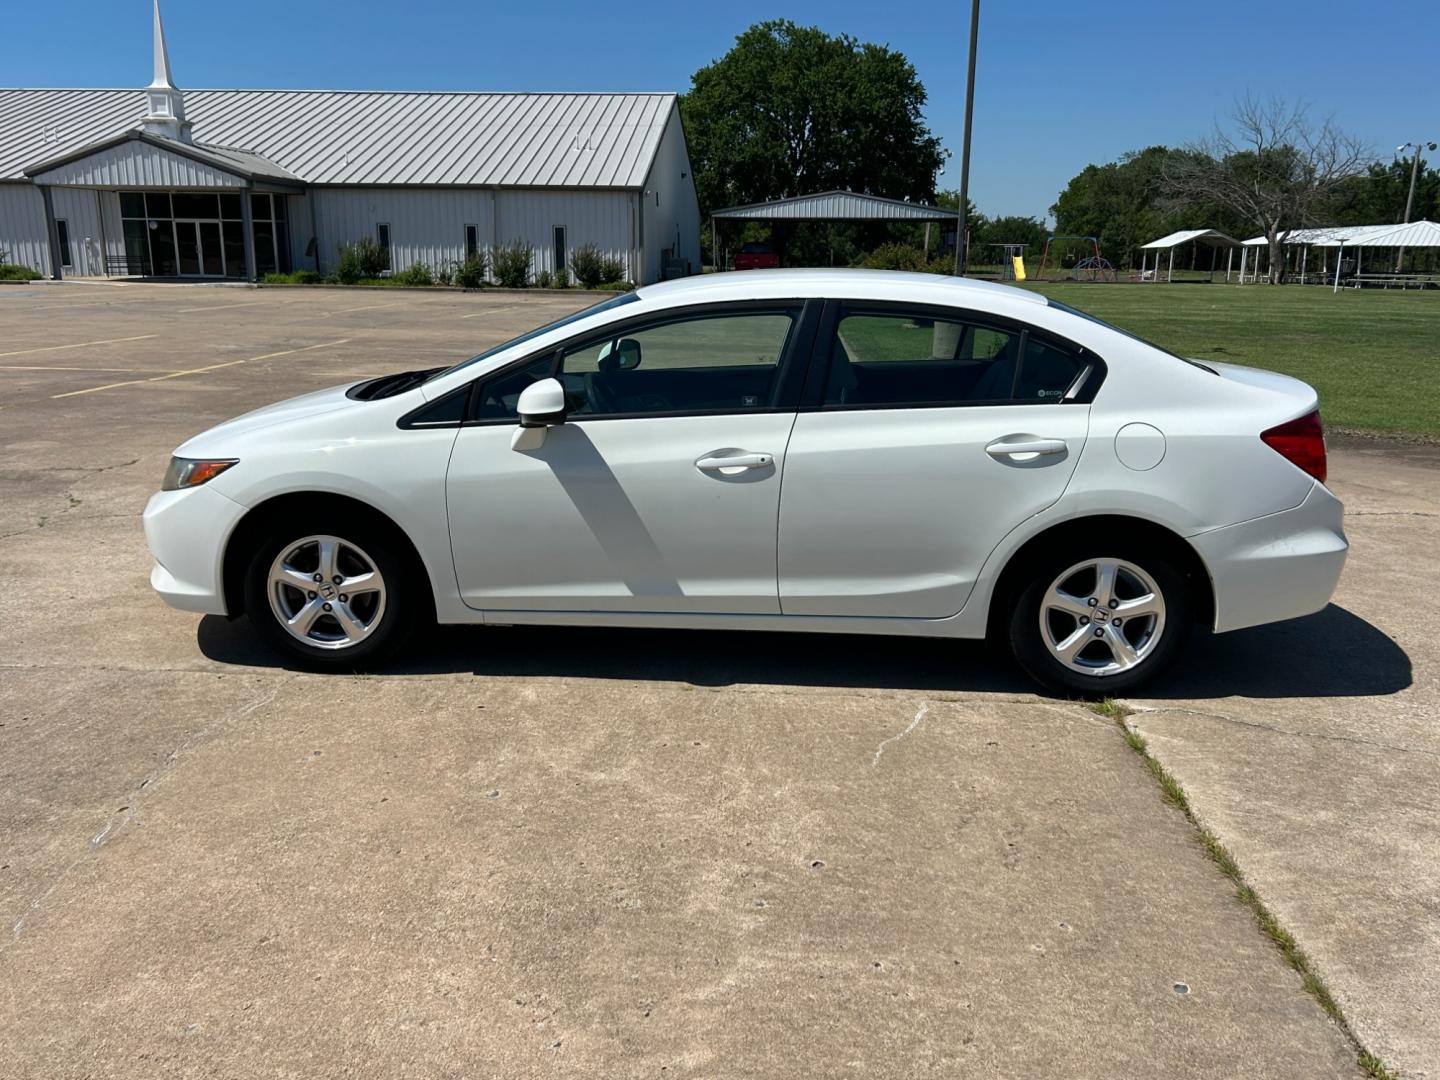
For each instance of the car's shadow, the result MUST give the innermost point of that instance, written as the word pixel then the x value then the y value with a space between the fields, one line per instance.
pixel 1332 653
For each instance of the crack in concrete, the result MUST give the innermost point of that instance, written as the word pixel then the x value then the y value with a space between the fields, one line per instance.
pixel 1391 513
pixel 1354 739
pixel 72 468
pixel 920 715
pixel 127 813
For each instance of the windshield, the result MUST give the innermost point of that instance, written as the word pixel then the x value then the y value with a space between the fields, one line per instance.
pixel 584 313
pixel 1133 337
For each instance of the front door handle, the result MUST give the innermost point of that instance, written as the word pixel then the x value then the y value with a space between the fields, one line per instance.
pixel 1013 446
pixel 738 460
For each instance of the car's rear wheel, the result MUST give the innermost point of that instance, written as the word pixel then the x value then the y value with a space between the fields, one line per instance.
pixel 1099 622
pixel 330 594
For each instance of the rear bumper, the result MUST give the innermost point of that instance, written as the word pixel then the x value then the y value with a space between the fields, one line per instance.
pixel 1277 567
pixel 187 531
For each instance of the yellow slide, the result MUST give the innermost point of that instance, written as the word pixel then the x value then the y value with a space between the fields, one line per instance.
pixel 1018 261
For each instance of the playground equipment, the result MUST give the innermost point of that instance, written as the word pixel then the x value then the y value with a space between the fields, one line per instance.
pixel 1091 267
pixel 1012 261
pixel 1095 268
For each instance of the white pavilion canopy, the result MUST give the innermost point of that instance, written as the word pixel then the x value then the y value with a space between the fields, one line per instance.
pixel 1210 238
pixel 1352 238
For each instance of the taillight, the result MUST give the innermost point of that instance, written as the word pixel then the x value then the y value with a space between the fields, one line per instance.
pixel 1301 442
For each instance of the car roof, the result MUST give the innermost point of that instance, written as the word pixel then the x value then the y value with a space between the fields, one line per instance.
pixel 838 283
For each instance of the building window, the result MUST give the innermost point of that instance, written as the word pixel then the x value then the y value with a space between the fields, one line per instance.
pixel 63 228
pixel 382 237
pixel 271 234
pixel 560 253
pixel 472 241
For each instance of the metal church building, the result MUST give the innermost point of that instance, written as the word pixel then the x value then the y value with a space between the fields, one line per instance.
pixel 239 183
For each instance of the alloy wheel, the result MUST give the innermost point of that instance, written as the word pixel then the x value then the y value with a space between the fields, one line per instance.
pixel 326 592
pixel 1102 616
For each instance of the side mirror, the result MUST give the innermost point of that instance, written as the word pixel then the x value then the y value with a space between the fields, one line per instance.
pixel 542 404
pixel 625 356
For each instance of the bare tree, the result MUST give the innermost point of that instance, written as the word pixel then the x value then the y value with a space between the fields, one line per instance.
pixel 1274 168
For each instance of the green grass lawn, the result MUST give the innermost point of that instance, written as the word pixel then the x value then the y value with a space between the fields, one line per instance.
pixel 1374 355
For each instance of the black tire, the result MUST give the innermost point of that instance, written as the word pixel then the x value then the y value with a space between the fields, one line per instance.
pixel 1028 646
pixel 404 607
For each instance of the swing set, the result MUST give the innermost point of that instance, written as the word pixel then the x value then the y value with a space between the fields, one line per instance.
pixel 1091 267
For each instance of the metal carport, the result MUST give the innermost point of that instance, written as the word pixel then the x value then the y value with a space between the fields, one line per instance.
pixel 828 206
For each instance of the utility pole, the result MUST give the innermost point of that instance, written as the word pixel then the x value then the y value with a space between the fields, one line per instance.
pixel 962 241
pixel 1414 173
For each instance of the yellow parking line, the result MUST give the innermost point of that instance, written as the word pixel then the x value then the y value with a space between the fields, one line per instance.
pixel 198 370
pixel 59 367
pixel 223 307
pixel 491 311
pixel 78 345
pixel 366 307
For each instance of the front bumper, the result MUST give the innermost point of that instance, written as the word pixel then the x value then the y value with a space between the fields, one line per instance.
pixel 187 531
pixel 1277 567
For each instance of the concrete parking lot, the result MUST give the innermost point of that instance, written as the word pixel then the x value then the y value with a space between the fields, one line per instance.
pixel 602 853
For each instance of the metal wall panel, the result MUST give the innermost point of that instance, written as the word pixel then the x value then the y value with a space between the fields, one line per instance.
pixel 590 217
pixel 426 225
pixel 22 227
pixel 80 210
pixel 136 164
pixel 671 210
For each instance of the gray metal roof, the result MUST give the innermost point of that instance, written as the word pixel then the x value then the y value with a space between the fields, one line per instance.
pixel 369 137
pixel 238 162
pixel 836 206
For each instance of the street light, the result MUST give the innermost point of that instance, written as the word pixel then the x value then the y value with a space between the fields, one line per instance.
pixel 1414 171
pixel 960 239
pixel 1410 199
pixel 945 155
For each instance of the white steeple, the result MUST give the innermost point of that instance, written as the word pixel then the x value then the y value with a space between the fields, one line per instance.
pixel 167 105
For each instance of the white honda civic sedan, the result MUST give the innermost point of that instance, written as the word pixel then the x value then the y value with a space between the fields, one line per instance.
pixel 814 450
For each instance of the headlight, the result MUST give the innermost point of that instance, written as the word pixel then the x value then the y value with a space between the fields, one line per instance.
pixel 192 472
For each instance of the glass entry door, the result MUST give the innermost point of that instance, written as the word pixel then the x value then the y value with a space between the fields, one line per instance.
pixel 212 254
pixel 198 249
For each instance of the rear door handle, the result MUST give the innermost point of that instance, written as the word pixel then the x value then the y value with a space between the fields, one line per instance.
pixel 723 462
pixel 1016 445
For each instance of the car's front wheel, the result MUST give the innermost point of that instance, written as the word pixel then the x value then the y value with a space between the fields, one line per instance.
pixel 1100 623
pixel 332 595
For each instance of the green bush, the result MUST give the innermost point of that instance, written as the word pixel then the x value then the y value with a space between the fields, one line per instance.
pixel 364 258
pixel 299 277
pixel 542 279
pixel 417 274
pixel 12 272
pixel 616 286
pixel 470 271
pixel 347 267
pixel 585 262
pixel 512 264
pixel 445 275
pixel 592 267
pixel 904 257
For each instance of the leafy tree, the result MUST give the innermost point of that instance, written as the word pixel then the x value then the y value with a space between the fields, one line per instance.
pixel 791 110
pixel 1275 169
pixel 1378 197
pixel 1011 229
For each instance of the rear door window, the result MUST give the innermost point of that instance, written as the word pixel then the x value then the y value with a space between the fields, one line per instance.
pixel 905 359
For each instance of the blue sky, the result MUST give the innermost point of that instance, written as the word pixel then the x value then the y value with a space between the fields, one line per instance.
pixel 1061 83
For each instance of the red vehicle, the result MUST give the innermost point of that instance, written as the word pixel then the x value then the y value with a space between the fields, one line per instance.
pixel 756 257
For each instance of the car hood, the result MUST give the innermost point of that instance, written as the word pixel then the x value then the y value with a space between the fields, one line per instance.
pixel 220 438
